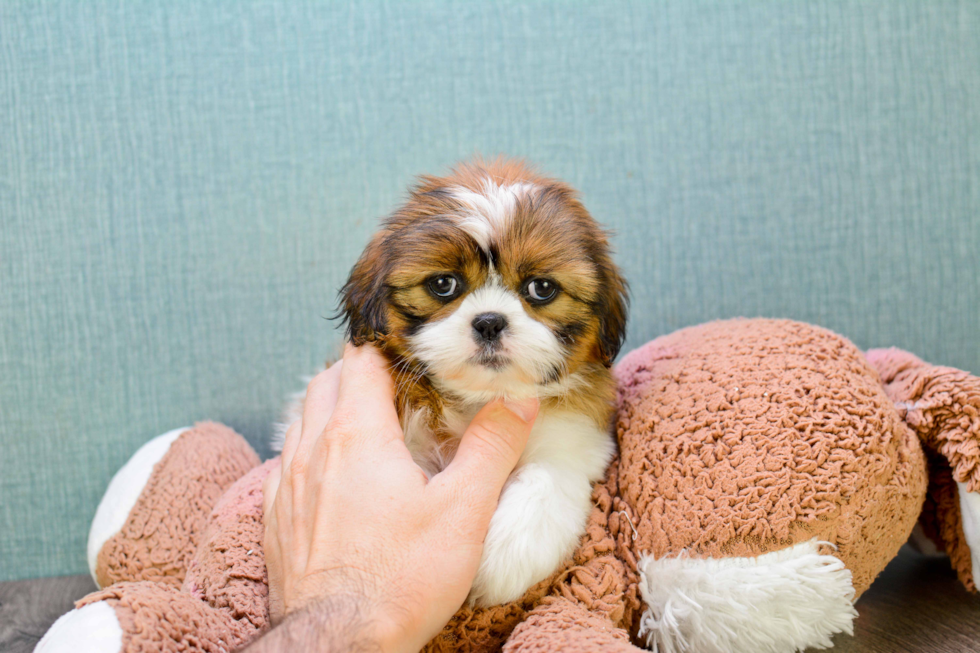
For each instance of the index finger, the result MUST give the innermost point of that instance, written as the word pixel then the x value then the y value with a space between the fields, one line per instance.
pixel 321 397
pixel 270 487
pixel 366 396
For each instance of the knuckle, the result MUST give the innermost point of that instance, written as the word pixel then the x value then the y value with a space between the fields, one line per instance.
pixel 369 376
pixel 298 468
pixel 468 510
pixel 490 430
pixel 494 438
pixel 321 380
pixel 366 364
pixel 342 424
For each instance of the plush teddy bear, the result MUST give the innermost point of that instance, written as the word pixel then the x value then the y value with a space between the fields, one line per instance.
pixel 767 472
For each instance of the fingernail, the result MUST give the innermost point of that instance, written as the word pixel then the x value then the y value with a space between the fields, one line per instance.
pixel 526 409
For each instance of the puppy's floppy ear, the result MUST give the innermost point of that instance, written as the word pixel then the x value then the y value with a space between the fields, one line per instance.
pixel 363 305
pixel 613 315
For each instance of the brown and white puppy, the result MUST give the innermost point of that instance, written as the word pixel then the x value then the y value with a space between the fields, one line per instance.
pixel 495 282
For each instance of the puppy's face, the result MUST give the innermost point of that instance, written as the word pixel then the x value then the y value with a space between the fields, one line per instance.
pixel 494 281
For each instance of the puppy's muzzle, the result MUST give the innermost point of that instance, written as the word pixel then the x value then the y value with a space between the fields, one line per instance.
pixel 488 327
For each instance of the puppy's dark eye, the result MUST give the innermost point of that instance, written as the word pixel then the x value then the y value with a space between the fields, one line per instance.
pixel 445 286
pixel 540 291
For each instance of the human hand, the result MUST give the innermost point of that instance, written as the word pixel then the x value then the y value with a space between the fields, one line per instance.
pixel 357 537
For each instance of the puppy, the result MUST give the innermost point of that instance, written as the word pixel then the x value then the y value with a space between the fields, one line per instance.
pixel 493 282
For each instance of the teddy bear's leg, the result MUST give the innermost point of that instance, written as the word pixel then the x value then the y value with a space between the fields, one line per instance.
pixel 970 512
pixel 221 606
pixel 94 628
pixel 145 616
pixel 942 406
pixel 228 570
pixel 948 522
pixel 151 518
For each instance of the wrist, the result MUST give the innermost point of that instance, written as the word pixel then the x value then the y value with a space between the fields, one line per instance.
pixel 343 609
pixel 335 623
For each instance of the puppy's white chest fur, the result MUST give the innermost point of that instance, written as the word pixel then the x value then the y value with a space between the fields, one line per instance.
pixel 544 505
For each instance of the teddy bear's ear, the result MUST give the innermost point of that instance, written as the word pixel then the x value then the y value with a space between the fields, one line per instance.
pixel 942 406
pixel 614 313
pixel 363 305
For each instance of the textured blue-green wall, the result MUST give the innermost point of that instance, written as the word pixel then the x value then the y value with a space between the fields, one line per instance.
pixel 183 186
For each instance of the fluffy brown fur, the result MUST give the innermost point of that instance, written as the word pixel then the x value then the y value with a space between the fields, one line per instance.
pixel 385 300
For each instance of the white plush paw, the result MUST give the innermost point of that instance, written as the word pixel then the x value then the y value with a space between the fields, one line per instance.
pixel 93 628
pixel 123 491
pixel 534 528
pixel 970 515
pixel 923 544
pixel 786 600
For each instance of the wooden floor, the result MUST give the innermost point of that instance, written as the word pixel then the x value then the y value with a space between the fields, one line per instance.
pixel 29 607
pixel 915 606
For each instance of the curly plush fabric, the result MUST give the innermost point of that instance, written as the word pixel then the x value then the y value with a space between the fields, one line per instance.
pixel 158 618
pixel 486 629
pixel 942 405
pixel 942 522
pixel 229 570
pixel 596 597
pixel 223 603
pixel 596 580
pixel 166 524
pixel 741 442
pixel 563 625
pixel 747 436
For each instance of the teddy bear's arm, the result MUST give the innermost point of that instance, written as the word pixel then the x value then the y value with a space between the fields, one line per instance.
pixel 593 603
pixel 560 624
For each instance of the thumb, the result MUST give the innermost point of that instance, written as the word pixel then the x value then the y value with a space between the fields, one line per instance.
pixel 490 448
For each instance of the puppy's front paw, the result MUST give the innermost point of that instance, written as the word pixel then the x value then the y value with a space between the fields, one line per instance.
pixel 534 528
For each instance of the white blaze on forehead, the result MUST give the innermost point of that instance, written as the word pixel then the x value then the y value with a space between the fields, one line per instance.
pixel 491 209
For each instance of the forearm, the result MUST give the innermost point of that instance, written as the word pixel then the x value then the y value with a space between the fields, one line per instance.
pixel 337 623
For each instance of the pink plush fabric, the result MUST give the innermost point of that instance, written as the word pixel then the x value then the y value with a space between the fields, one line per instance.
pixel 746 436
pixel 223 603
pixel 595 603
pixel 166 524
pixel 736 438
pixel 228 572
pixel 942 404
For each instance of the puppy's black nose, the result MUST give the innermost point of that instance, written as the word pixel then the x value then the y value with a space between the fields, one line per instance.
pixel 488 326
